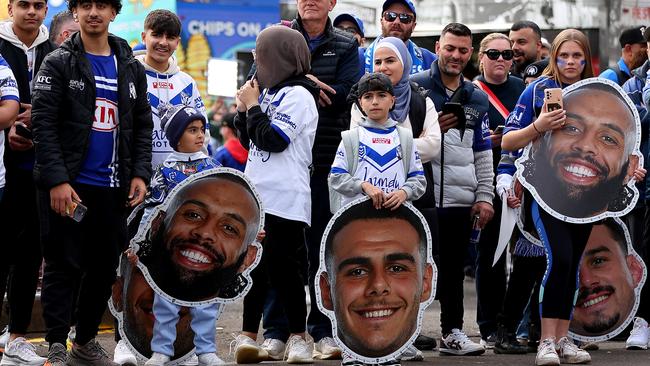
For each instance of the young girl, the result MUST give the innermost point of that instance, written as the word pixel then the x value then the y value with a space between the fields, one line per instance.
pixel 280 125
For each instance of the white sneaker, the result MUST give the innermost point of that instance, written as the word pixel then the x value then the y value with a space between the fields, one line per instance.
pixel 157 359
pixel 411 354
pixel 570 353
pixel 639 335
pixel 19 352
pixel 298 350
pixel 210 359
pixel 275 348
pixel 122 354
pixel 248 351
pixel 457 343
pixel 546 353
pixel 193 360
pixel 4 339
pixel 327 349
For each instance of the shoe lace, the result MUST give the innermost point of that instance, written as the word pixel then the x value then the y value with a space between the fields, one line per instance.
pixel 566 345
pixel 546 346
pixel 461 337
pixel 57 353
pixel 294 341
pixel 95 348
pixel 638 327
pixel 25 348
pixel 234 343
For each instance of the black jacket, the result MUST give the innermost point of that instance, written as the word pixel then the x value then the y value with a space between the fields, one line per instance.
pixel 17 60
pixel 63 108
pixel 335 62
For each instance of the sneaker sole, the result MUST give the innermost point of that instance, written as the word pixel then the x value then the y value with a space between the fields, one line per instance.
pixel 133 362
pixel 547 362
pixel 453 352
pixel 11 361
pixel 74 360
pixel 324 356
pixel 575 362
pixel 633 347
pixel 299 360
pixel 248 354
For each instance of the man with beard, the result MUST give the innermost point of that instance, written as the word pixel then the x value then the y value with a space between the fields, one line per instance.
pixel 526 39
pixel 132 304
pixel 377 277
pixel 633 54
pixel 203 240
pixel 609 275
pixel 582 169
pixel 398 19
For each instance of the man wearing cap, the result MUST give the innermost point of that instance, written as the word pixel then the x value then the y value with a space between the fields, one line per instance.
pixel 353 25
pixel 398 20
pixel 633 55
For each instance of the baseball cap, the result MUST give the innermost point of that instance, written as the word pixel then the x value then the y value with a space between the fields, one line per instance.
pixel 350 18
pixel 535 69
pixel 632 36
pixel 408 3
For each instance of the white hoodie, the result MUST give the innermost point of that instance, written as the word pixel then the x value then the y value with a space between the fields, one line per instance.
pixel 172 87
pixel 7 33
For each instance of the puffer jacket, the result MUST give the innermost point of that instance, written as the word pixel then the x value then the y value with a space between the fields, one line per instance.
pixel 462 173
pixel 63 108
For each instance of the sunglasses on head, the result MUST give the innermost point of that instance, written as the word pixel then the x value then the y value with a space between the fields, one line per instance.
pixel 390 16
pixel 493 54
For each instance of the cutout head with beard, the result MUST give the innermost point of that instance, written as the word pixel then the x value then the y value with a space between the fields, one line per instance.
pixel 582 169
pixel 203 241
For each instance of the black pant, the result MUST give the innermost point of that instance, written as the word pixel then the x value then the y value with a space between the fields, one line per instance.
pixel 21 248
pixel 644 252
pixel 81 256
pixel 565 243
pixel 525 280
pixel 455 226
pixel 490 280
pixel 280 268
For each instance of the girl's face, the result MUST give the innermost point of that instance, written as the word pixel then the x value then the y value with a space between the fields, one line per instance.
pixel 570 62
pixel 192 139
pixel 387 63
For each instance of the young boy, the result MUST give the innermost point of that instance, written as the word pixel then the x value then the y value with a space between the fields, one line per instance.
pixel 184 127
pixel 166 83
pixel 379 168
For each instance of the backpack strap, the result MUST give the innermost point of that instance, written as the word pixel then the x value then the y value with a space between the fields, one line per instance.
pixel 620 75
pixel 350 140
pixel 406 145
pixel 494 100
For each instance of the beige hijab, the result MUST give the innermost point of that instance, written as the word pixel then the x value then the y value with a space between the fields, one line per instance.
pixel 280 53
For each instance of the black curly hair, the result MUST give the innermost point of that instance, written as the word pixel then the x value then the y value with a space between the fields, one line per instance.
pixel 116 4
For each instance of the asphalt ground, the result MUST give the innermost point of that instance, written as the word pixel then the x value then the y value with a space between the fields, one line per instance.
pixel 610 353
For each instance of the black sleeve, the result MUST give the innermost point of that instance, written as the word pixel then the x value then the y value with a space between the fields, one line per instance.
pixel 142 127
pixel 261 132
pixel 240 125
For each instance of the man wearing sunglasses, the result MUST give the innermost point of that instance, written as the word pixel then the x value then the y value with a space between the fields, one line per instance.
pixel 351 24
pixel 398 20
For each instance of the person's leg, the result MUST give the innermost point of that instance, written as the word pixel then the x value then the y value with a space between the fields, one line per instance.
pixel 274 321
pixel 490 280
pixel 318 325
pixel 520 288
pixel 164 326
pixel 204 325
pixel 254 300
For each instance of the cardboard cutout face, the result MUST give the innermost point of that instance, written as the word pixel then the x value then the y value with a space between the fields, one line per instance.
pixel 583 171
pixel 197 248
pixel 611 278
pixel 376 277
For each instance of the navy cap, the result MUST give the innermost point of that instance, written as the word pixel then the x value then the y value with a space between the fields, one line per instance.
pixel 408 3
pixel 350 18
pixel 632 36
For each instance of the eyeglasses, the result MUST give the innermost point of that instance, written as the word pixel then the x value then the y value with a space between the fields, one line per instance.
pixel 493 54
pixel 390 16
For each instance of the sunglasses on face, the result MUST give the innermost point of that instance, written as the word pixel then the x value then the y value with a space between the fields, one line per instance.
pixel 390 16
pixel 493 54
pixel 350 30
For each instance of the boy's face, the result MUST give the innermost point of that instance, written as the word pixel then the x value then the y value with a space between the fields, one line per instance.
pixel 192 139
pixel 27 15
pixel 377 104
pixel 94 17
pixel 160 46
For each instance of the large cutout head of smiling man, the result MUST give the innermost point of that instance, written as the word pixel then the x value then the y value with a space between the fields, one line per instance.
pixel 375 279
pixel 582 171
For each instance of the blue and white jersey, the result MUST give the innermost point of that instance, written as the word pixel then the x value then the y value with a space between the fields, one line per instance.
pixel 380 161
pixel 171 88
pixel 101 166
pixel 282 178
pixel 8 91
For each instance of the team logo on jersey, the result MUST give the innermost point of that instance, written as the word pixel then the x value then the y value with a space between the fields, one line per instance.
pixel 163 85
pixel 106 117
pixel 362 152
pixel 381 140
pixel 77 84
pixel 132 92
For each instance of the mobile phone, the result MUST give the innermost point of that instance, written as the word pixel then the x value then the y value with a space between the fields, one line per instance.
pixel 23 131
pixel 499 129
pixel 77 211
pixel 553 99
pixel 457 110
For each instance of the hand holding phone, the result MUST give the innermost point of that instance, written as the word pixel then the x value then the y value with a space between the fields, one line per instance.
pixel 76 211
pixel 553 99
pixel 23 131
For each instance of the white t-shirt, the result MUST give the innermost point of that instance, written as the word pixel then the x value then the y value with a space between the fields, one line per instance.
pixel 380 161
pixel 8 91
pixel 282 179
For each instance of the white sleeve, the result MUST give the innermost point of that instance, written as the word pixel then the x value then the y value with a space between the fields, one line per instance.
pixel 8 86
pixel 292 115
pixel 355 116
pixel 504 182
pixel 340 163
pixel 428 144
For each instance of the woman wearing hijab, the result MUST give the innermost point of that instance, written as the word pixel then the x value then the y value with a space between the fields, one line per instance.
pixel 412 110
pixel 279 125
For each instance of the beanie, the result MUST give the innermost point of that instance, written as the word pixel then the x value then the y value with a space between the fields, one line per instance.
pixel 175 119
